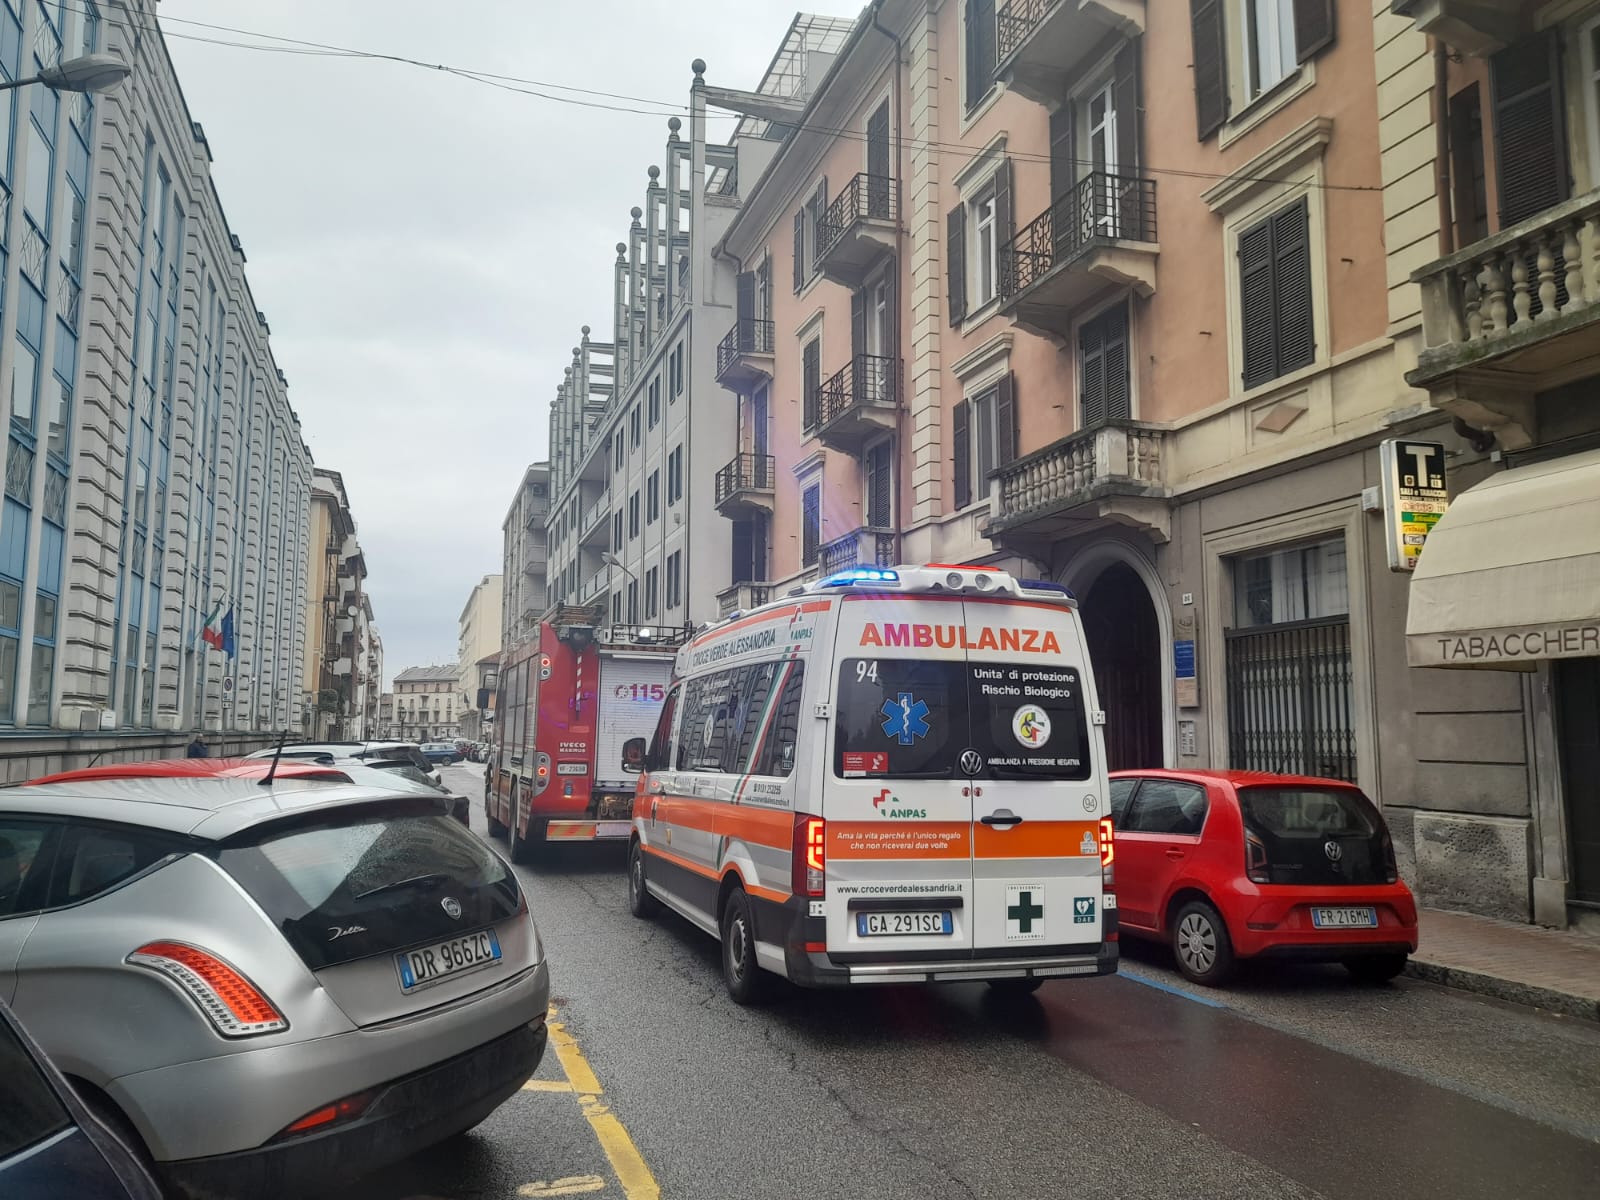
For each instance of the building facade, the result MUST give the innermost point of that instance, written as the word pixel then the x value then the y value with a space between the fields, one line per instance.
pixel 155 473
pixel 479 636
pixel 427 704
pixel 340 670
pixel 526 543
pixel 639 430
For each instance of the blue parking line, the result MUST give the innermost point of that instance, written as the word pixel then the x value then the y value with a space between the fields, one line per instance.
pixel 1174 991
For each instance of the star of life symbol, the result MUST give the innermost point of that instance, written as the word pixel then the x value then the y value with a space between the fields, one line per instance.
pixel 908 718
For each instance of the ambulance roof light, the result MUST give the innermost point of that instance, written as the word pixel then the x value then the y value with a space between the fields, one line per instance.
pixel 1044 585
pixel 861 575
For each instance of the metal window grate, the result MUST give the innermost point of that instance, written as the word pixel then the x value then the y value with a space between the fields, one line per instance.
pixel 1289 699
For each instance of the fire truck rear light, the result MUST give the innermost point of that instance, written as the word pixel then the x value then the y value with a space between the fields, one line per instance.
pixel 234 1005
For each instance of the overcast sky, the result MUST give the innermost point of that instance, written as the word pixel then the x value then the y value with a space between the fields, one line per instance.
pixel 426 248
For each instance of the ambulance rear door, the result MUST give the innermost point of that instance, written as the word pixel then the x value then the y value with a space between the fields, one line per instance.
pixel 1036 785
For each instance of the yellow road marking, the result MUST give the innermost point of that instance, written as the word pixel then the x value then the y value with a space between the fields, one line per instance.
pixel 635 1177
pixel 573 1185
pixel 547 1085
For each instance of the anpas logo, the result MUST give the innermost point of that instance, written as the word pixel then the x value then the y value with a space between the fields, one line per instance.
pixel 952 637
pixel 885 803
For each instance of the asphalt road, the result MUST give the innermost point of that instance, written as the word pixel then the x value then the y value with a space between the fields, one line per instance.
pixel 1290 1083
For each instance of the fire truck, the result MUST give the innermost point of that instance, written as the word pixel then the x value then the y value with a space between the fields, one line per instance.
pixel 569 703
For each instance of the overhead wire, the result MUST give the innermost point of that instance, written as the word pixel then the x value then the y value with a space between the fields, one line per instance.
pixel 543 89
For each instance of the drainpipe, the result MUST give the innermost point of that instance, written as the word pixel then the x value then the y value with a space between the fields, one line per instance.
pixel 902 450
pixel 1441 143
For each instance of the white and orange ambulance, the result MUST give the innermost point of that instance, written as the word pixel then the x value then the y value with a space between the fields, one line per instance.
pixel 892 775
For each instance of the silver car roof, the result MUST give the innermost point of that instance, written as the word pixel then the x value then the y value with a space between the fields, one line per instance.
pixel 212 808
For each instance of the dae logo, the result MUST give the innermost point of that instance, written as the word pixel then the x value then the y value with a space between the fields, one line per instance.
pixel 1031 724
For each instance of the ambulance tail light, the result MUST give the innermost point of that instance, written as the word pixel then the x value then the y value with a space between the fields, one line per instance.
pixel 1108 855
pixel 810 857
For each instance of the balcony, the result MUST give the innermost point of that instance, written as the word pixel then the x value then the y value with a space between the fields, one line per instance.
pixel 1112 473
pixel 1478 27
pixel 1042 42
pixel 1098 236
pixel 594 523
pixel 744 356
pixel 1510 316
pixel 595 587
pixel 857 403
pixel 866 547
pixel 742 597
pixel 858 228
pixel 745 485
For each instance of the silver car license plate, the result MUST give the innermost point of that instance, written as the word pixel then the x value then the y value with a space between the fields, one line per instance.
pixel 1344 918
pixel 891 924
pixel 426 964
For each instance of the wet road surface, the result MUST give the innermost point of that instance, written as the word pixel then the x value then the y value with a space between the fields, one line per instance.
pixel 1291 1083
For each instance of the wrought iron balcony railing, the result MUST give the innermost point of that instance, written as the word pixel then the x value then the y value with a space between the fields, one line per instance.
pixel 1100 207
pixel 746 473
pixel 864 198
pixel 866 381
pixel 748 336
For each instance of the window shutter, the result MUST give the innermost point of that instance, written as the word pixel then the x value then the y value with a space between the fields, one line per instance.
pixel 1063 171
pixel 1114 359
pixel 891 348
pixel 1291 286
pixel 1005 420
pixel 745 302
pixel 1091 375
pixel 879 476
pixel 799 250
pixel 1005 216
pixel 961 453
pixel 1529 137
pixel 1257 318
pixel 743 560
pixel 878 169
pixel 811 381
pixel 1313 28
pixel 1128 96
pixel 811 519
pixel 956 268
pixel 858 325
pixel 1209 52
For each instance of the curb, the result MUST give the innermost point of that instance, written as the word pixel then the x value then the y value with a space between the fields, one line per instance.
pixel 1565 1003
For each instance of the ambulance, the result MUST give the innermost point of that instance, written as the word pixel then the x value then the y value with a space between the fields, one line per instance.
pixel 892 775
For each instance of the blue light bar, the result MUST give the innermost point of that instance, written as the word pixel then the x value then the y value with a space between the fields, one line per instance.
pixel 862 575
pixel 1044 585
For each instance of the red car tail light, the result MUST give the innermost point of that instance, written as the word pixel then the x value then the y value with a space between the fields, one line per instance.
pixel 1256 867
pixel 1391 869
pixel 329 1114
pixel 1108 854
pixel 809 859
pixel 232 1003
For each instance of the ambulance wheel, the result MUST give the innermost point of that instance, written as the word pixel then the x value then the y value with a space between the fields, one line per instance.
pixel 1015 987
pixel 745 979
pixel 1201 945
pixel 640 902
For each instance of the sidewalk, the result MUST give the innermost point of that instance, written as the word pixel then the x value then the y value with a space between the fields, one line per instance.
pixel 1525 964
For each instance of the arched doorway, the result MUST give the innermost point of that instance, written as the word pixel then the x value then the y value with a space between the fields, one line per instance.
pixel 1125 648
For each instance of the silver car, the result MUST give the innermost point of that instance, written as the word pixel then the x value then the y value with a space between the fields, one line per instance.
pixel 276 986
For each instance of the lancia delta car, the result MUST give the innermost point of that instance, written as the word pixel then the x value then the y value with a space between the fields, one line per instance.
pixel 275 978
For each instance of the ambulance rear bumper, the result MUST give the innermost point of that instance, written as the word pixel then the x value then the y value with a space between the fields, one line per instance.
pixel 823 972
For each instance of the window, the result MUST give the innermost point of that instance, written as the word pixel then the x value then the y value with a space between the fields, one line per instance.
pixel 655 402
pixel 652 580
pixel 674 579
pixel 984 438
pixel 675 370
pixel 807 229
pixel 1468 174
pixel 1299 584
pixel 661 741
pixel 675 476
pixel 633 602
pixel 27 852
pixel 633 515
pixel 777 753
pixel 985 260
pixel 34 1113
pixel 1277 332
pixel 1104 391
pixel 616 530
pixel 880 485
pixel 1242 49
pixel 1269 38
pixel 635 425
pixel 617 453
pixel 1121 791
pixel 979 32
pixel 1168 806
pixel 653 498
pixel 95 858
pixel 976 231
pixel 811 382
pixel 811 525
pixel 616 608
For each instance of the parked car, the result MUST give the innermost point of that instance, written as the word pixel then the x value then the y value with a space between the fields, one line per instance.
pixel 406 769
pixel 409 751
pixel 1225 865
pixel 50 1143
pixel 441 753
pixel 322 975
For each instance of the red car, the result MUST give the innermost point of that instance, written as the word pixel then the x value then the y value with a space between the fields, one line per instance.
pixel 1225 865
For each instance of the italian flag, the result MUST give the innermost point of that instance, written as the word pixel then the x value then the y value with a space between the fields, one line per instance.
pixel 211 635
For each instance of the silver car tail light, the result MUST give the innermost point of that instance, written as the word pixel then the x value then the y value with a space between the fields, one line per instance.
pixel 232 1003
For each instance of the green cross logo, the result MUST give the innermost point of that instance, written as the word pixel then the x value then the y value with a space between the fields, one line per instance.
pixel 1025 912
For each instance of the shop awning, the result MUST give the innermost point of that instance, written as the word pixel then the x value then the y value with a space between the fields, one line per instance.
pixel 1511 573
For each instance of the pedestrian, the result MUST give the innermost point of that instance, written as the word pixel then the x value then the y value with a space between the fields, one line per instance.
pixel 198 747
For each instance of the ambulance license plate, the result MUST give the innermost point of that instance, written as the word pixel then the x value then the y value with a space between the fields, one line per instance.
pixel 893 924
pixel 1344 918
pixel 450 957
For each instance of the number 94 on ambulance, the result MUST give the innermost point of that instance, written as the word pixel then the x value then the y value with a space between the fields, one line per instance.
pixel 892 775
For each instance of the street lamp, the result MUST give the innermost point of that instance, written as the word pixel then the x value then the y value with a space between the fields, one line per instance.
pixel 88 73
